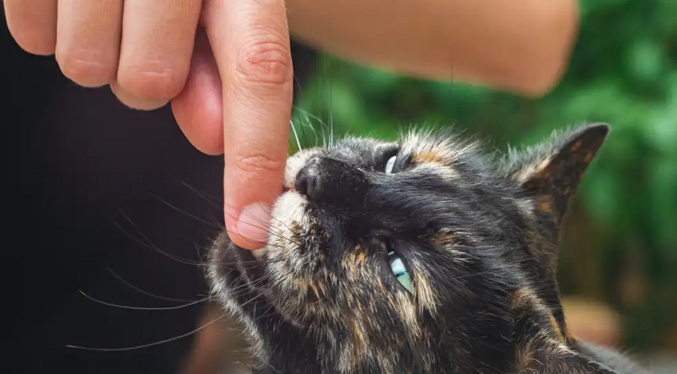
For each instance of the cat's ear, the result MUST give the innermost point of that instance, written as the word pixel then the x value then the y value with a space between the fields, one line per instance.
pixel 543 359
pixel 549 173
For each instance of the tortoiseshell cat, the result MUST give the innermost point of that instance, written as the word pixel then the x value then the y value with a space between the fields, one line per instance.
pixel 417 256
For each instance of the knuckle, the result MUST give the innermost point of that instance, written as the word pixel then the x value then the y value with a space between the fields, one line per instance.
pixel 257 163
pixel 265 61
pixel 155 80
pixel 86 68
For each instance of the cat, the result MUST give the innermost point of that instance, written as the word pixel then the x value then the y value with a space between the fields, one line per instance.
pixel 424 255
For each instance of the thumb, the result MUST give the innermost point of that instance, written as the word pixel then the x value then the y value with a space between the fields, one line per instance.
pixel 250 41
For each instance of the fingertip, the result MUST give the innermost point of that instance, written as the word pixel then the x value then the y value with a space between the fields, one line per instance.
pixel 34 45
pixel 198 109
pixel 36 42
pixel 200 122
pixel 136 102
pixel 249 195
pixel 250 229
pixel 32 24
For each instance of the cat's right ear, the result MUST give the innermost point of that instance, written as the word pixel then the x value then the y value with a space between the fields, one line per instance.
pixel 543 359
pixel 549 173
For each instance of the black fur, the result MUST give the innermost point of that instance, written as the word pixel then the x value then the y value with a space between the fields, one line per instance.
pixel 478 238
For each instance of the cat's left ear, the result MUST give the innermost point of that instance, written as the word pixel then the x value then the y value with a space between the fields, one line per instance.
pixel 550 173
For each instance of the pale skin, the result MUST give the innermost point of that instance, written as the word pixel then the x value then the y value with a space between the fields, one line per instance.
pixel 235 98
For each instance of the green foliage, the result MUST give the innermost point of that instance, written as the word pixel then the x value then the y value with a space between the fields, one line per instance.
pixel 623 72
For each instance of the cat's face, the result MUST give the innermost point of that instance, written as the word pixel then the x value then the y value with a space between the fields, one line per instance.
pixel 409 255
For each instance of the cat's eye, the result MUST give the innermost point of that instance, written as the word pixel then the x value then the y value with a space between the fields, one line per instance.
pixel 390 164
pixel 400 271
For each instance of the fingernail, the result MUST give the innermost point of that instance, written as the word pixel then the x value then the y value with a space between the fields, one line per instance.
pixel 253 222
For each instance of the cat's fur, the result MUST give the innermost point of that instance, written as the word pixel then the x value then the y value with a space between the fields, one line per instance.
pixel 479 237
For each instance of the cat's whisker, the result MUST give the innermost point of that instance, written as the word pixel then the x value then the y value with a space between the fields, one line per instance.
pixel 152 344
pixel 269 227
pixel 185 212
pixel 246 286
pixel 270 231
pixel 311 123
pixel 324 138
pixel 330 99
pixel 296 136
pixel 318 120
pixel 310 115
pixel 144 292
pixel 147 243
pixel 120 306
pixel 273 218
pixel 251 285
pixel 210 199
pixel 151 247
pixel 262 293
pixel 314 131
pixel 269 312
pixel 262 222
pixel 262 261
pixel 258 295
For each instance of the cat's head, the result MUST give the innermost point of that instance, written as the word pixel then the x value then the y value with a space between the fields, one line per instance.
pixel 422 255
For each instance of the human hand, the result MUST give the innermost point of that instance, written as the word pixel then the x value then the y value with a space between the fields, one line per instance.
pixel 236 100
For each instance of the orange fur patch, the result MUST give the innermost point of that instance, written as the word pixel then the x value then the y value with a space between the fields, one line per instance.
pixel 442 239
pixel 544 204
pixel 430 157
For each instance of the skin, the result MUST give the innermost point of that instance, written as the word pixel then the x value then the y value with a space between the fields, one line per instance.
pixel 235 98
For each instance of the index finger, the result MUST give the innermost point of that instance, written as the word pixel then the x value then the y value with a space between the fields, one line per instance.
pixel 250 41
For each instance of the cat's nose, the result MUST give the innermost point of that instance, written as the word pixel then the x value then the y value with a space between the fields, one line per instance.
pixel 308 181
pixel 326 181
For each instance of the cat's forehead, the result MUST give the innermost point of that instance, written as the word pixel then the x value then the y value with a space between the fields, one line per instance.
pixel 437 147
pixel 420 146
pixel 359 149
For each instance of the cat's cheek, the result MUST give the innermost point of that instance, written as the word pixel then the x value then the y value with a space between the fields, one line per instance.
pixel 295 298
pixel 426 297
pixel 288 221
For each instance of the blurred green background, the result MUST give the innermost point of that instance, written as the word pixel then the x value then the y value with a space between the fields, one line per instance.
pixel 620 240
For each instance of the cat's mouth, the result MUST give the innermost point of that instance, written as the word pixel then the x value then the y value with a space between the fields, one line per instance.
pixel 250 267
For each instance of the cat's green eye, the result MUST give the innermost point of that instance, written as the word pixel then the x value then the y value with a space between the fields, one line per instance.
pixel 400 271
pixel 390 164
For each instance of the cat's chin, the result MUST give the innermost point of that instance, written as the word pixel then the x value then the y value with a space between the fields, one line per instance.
pixel 233 268
pixel 240 283
pixel 250 267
